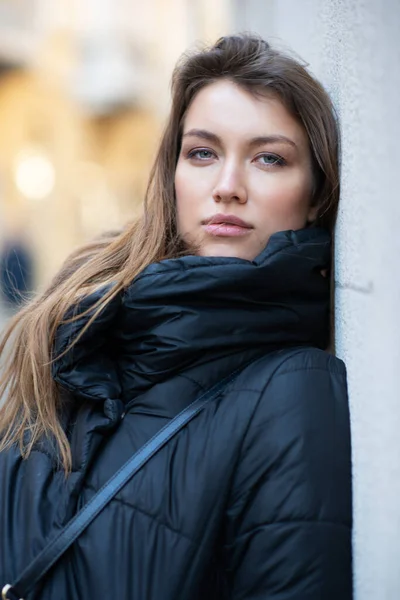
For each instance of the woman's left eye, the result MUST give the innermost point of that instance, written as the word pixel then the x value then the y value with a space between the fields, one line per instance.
pixel 270 160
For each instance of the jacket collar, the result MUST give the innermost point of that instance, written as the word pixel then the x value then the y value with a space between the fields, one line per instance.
pixel 185 312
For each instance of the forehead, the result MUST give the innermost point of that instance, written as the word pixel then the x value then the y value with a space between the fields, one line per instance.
pixel 227 109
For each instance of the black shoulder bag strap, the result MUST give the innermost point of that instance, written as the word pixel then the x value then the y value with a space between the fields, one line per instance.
pixel 51 553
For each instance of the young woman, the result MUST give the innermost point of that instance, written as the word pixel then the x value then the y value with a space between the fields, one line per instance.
pixel 222 285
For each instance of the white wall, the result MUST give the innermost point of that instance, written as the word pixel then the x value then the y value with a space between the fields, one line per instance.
pixel 354 48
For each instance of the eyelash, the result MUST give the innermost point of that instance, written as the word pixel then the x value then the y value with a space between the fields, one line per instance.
pixel 192 153
pixel 279 161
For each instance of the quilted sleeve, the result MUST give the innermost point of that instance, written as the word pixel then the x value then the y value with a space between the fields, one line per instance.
pixel 288 532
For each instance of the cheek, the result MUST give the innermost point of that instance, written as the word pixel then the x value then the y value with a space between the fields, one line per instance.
pixel 184 200
pixel 289 197
pixel 192 188
pixel 191 183
pixel 183 184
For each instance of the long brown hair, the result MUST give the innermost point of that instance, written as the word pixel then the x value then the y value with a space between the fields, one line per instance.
pixel 31 405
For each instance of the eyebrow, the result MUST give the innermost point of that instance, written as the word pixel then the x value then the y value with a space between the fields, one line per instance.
pixel 256 141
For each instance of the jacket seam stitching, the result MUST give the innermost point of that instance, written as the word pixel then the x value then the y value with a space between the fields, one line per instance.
pixel 290 522
pixel 239 390
pixel 143 512
pixel 201 387
pixel 324 370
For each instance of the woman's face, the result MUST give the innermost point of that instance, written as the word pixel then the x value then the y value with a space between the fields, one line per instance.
pixel 243 172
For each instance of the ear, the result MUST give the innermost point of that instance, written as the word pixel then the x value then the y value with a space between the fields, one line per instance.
pixel 312 214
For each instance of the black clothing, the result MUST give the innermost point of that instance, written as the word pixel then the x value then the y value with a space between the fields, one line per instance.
pixel 252 500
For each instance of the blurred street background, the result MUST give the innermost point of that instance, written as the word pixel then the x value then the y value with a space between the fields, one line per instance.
pixel 84 91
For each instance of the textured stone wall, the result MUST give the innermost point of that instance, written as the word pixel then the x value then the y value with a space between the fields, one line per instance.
pixel 354 48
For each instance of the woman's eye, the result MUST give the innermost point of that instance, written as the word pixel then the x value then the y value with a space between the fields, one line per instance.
pixel 270 160
pixel 201 154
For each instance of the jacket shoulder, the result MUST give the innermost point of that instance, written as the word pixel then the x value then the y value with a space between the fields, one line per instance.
pixel 270 367
pixel 299 392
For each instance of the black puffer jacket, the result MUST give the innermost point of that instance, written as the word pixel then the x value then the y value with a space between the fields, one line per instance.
pixel 252 500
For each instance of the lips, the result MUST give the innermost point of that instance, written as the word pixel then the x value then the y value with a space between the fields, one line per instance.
pixel 227 220
pixel 226 226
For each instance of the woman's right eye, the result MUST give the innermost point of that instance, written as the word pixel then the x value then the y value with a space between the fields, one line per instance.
pixel 201 154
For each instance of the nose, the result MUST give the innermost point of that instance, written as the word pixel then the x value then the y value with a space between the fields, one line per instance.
pixel 230 186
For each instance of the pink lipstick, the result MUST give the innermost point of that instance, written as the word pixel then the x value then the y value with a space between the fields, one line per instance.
pixel 226 226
